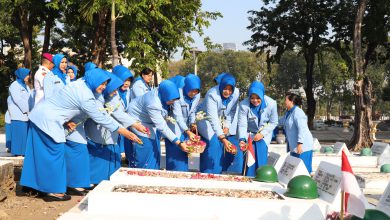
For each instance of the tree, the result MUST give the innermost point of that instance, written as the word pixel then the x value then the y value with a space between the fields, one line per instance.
pixel 366 24
pixel 292 25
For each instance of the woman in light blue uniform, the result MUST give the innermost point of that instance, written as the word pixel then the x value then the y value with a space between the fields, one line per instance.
pixel 104 153
pixel 44 165
pixel 57 78
pixel 141 84
pixel 71 71
pixel 151 110
pixel 299 137
pixel 220 105
pixel 232 163
pixel 19 106
pixel 184 112
pixel 258 116
pixel 8 134
pixel 124 93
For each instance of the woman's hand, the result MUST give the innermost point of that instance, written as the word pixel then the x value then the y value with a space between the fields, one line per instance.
pixel 299 149
pixel 139 127
pixel 70 125
pixel 191 135
pixel 225 131
pixel 129 135
pixel 258 137
pixel 229 146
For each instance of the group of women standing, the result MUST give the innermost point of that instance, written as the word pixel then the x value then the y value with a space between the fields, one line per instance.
pixel 73 136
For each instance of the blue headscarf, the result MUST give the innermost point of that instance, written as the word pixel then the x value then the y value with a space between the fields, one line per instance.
pixel 114 84
pixel 178 80
pixel 122 73
pixel 191 82
pixel 219 78
pixel 167 91
pixel 21 73
pixel 89 66
pixel 227 80
pixel 258 89
pixel 95 77
pixel 74 71
pixel 56 70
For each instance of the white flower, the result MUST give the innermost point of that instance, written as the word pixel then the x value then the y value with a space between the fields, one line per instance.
pixel 170 119
pixel 109 108
pixel 201 116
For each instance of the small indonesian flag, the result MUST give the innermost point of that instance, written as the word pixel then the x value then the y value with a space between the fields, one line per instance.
pixel 355 202
pixel 250 153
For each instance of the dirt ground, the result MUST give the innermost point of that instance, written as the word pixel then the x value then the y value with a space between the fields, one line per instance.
pixel 19 206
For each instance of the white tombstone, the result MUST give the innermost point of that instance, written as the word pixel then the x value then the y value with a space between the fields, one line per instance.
pixel 316 144
pixel 291 167
pixel 328 178
pixel 382 150
pixel 361 181
pixel 384 202
pixel 338 148
pixel 276 160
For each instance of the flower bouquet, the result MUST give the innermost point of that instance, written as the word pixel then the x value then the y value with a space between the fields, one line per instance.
pixel 195 146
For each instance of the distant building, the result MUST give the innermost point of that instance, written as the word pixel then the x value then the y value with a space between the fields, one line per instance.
pixel 229 46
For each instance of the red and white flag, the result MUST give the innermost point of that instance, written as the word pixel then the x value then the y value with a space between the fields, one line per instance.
pixel 250 153
pixel 355 202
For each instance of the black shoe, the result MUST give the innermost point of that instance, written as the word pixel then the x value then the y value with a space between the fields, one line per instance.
pixel 30 192
pixel 50 197
pixel 76 192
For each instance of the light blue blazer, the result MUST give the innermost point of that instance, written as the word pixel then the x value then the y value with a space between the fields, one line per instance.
pixel 149 111
pixel 249 122
pixel 52 84
pixel 21 101
pixel 78 135
pixel 96 132
pixel 68 103
pixel 138 89
pixel 7 117
pixel 119 113
pixel 183 114
pixel 295 126
pixel 213 107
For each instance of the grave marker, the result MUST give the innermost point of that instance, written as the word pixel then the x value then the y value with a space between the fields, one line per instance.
pixel 384 202
pixel 328 178
pixel 291 167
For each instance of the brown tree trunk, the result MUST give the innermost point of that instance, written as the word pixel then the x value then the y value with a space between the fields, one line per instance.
pixel 362 136
pixel 114 49
pixel 311 102
pixel 25 32
pixel 48 25
pixel 99 43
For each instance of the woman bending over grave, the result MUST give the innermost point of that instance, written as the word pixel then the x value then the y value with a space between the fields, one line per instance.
pixel 299 137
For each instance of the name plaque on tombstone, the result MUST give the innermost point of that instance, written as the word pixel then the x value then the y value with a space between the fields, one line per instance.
pixel 328 178
pixel 361 181
pixel 338 147
pixel 382 150
pixel 384 202
pixel 291 167
pixel 273 158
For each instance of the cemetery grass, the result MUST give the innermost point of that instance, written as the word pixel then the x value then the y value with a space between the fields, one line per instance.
pixel 18 206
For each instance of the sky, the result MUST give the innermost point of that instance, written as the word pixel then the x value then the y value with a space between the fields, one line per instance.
pixel 231 28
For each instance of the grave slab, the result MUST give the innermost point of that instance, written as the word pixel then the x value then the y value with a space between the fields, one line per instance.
pixel 384 202
pixel 291 167
pixel 328 177
pixel 373 183
pixel 382 150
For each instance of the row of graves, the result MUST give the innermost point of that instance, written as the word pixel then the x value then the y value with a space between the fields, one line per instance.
pixel 281 190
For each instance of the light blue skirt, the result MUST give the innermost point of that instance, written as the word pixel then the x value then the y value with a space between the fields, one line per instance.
pixel 18 140
pixel 104 160
pixel 77 165
pixel 44 167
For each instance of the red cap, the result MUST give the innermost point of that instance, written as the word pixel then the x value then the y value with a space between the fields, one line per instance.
pixel 48 56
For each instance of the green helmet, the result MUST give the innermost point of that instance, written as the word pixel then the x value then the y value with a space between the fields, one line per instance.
pixel 328 149
pixel 372 214
pixel 302 187
pixel 385 168
pixel 366 152
pixel 266 174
